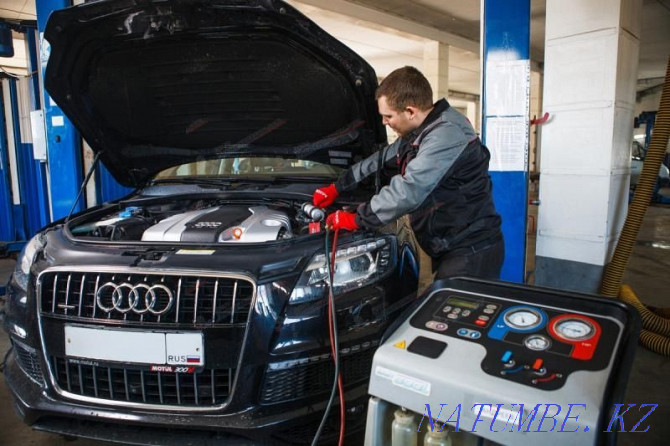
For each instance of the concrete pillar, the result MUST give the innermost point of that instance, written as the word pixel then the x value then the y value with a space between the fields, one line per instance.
pixel 436 68
pixel 591 56
pixel 473 114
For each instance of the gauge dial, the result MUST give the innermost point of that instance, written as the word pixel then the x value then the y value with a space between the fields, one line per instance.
pixel 574 329
pixel 523 318
pixel 537 342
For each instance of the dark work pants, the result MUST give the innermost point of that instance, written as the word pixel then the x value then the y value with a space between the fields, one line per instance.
pixel 482 261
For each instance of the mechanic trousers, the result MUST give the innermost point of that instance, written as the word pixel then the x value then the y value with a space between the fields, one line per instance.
pixel 482 260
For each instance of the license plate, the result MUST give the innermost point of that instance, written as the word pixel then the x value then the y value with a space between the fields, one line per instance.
pixel 135 347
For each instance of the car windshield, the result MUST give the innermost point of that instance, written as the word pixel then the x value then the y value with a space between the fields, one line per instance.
pixel 249 167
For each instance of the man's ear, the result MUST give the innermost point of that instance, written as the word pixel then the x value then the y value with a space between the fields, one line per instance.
pixel 411 111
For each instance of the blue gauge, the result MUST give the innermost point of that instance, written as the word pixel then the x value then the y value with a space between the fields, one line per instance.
pixel 520 319
pixel 523 318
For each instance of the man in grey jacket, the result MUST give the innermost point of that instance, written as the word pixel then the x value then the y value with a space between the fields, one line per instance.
pixel 437 172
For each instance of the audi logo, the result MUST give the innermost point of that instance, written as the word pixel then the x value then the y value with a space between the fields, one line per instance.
pixel 207 224
pixel 140 298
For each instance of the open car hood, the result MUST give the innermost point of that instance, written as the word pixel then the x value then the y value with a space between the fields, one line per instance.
pixel 153 84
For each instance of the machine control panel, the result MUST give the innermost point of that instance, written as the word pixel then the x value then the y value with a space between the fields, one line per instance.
pixel 470 342
pixel 530 344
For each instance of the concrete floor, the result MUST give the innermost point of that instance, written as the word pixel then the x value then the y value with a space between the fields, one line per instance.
pixel 647 274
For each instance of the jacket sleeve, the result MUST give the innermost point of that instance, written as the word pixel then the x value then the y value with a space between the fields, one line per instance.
pixel 438 150
pixel 365 168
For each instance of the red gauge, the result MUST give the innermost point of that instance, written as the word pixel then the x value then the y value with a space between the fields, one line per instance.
pixel 579 330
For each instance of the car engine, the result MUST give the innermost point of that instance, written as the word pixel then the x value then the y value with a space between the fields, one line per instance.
pixel 222 224
pixel 199 222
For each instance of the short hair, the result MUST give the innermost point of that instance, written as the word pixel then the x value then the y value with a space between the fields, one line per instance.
pixel 406 87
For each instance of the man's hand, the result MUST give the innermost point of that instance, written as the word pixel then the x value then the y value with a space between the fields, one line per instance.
pixel 342 220
pixel 325 196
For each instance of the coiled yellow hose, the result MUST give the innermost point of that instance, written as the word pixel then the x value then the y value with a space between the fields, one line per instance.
pixel 650 321
pixel 655 343
pixel 655 332
pixel 656 329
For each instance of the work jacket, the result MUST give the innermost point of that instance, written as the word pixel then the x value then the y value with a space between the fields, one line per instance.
pixel 438 174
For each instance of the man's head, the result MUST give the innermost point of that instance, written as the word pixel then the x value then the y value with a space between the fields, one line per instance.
pixel 404 99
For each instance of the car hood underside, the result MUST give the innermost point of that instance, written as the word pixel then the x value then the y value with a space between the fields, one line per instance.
pixel 155 84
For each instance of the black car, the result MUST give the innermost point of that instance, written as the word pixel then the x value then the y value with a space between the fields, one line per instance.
pixel 196 307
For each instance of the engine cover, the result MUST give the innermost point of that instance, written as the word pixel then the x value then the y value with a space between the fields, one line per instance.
pixel 223 224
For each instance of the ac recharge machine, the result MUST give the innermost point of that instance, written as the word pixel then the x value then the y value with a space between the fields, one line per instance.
pixel 471 352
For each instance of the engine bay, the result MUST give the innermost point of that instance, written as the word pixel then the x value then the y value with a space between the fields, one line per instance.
pixel 200 221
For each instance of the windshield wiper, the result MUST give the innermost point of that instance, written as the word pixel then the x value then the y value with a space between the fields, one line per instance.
pixel 307 179
pixel 216 182
pixel 240 181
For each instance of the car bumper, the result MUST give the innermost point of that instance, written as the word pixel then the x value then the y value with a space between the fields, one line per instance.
pixel 258 425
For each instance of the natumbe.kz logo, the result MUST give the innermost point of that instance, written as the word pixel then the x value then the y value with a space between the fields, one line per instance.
pixel 517 418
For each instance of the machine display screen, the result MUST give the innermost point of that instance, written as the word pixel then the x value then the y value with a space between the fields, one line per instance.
pixel 462 303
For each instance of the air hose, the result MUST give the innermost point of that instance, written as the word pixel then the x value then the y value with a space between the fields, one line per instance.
pixel 650 321
pixel 656 329
pixel 655 342
pixel 338 387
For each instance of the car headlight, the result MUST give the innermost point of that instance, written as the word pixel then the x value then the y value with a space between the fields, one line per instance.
pixel 25 259
pixel 356 265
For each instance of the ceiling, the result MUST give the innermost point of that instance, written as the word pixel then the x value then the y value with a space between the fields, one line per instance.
pixel 391 33
pixel 386 48
pixel 18 9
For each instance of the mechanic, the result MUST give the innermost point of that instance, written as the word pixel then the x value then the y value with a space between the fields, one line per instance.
pixel 437 172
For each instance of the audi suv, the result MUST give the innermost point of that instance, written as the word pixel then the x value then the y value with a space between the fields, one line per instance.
pixel 195 308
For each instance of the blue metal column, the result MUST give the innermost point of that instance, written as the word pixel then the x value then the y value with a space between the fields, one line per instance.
pixel 33 65
pixel 30 190
pixel 23 151
pixel 107 187
pixel 505 115
pixel 648 118
pixel 6 220
pixel 32 178
pixel 40 194
pixel 63 141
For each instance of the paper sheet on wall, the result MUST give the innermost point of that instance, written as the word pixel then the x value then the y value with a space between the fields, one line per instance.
pixel 507 139
pixel 507 87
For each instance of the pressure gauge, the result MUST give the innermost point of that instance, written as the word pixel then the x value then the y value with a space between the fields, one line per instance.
pixel 574 329
pixel 537 342
pixel 523 318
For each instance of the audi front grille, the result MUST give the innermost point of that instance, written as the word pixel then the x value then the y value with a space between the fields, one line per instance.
pixel 296 379
pixel 208 387
pixel 164 299
pixel 218 306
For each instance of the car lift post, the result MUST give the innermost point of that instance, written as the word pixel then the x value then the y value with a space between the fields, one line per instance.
pixel 63 141
pixel 505 120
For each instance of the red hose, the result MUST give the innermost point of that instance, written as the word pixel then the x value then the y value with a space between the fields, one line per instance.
pixel 331 333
